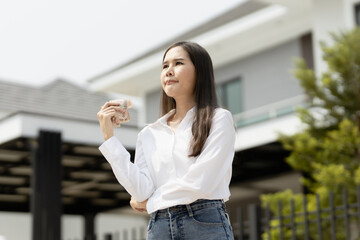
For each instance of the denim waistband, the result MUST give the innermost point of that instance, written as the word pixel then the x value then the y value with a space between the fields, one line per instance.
pixel 198 204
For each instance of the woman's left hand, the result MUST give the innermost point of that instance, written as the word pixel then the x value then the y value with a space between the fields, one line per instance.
pixel 138 206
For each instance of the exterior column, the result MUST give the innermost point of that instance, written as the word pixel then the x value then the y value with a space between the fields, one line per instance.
pixel 46 179
pixel 89 226
pixel 254 212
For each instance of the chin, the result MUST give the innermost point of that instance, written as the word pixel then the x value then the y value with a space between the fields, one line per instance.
pixel 170 93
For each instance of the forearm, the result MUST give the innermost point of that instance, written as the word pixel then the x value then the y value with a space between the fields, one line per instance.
pixel 136 181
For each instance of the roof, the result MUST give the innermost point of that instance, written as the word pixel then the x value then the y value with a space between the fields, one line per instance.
pixel 59 98
pixel 232 14
pixel 245 30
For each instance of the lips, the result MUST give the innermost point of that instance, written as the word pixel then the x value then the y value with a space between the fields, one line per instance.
pixel 170 82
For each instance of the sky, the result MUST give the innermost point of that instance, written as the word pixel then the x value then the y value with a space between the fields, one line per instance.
pixel 43 40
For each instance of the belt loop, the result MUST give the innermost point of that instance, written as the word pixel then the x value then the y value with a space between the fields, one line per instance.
pixel 188 207
pixel 169 211
pixel 223 203
pixel 153 216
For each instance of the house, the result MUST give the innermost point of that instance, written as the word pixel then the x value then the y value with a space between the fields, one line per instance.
pixel 252 47
pixel 85 186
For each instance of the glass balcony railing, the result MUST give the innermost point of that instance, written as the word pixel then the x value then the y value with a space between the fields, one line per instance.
pixel 269 111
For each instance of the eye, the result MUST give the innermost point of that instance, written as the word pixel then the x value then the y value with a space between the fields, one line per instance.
pixel 165 66
pixel 179 63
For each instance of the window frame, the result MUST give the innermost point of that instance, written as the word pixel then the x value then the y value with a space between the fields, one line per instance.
pixel 357 14
pixel 223 102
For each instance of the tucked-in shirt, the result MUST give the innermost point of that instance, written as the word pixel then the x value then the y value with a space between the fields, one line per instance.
pixel 164 173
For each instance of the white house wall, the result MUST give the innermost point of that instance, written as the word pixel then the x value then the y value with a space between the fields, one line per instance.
pixel 266 76
pixel 331 16
pixel 153 105
pixel 76 131
pixel 267 131
pixel 18 226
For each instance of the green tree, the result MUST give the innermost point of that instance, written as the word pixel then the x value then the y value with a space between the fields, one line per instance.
pixel 328 150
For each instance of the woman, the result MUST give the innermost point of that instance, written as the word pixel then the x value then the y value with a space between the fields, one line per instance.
pixel 182 166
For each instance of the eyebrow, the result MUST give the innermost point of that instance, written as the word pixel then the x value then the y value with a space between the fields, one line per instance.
pixel 176 59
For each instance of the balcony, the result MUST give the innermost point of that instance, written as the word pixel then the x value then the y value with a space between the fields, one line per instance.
pixel 269 111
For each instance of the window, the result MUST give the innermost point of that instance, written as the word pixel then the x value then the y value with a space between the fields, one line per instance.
pixel 229 95
pixel 357 14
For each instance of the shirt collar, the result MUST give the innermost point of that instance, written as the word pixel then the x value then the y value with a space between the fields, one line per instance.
pixel 163 119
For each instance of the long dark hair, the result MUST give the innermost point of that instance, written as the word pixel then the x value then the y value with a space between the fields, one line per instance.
pixel 204 95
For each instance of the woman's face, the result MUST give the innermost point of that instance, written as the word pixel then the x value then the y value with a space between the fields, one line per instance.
pixel 178 74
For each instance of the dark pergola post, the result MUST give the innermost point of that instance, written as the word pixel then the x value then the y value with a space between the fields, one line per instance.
pixel 254 212
pixel 46 179
pixel 90 226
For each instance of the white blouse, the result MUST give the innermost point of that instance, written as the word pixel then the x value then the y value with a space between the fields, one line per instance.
pixel 162 171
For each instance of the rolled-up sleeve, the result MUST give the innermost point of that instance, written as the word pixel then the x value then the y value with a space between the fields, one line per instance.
pixel 134 177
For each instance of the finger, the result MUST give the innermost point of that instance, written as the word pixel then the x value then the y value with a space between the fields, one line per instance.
pixel 109 113
pixel 137 209
pixel 108 110
pixel 105 105
pixel 140 209
pixel 116 119
pixel 118 109
pixel 109 104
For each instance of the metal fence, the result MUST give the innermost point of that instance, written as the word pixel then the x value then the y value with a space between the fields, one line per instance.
pixel 334 222
pixel 133 234
pixel 124 234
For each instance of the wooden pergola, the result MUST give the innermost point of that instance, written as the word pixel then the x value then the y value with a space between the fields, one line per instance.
pixel 49 159
pixel 49 177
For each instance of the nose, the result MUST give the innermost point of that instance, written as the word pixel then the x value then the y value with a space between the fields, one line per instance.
pixel 169 71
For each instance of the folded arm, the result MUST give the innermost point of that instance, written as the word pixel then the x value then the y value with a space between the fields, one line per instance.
pixel 134 177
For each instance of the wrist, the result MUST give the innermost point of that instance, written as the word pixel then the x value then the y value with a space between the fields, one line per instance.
pixel 107 137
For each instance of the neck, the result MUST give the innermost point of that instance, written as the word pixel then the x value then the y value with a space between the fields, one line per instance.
pixel 182 107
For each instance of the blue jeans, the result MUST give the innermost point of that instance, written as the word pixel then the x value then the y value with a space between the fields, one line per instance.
pixel 200 220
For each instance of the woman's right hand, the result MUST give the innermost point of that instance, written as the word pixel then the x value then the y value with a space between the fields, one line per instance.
pixel 106 116
pixel 138 206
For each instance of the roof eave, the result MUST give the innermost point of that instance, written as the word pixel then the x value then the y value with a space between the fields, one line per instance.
pixel 266 26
